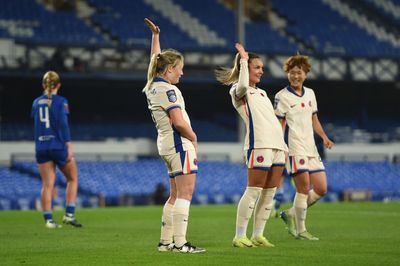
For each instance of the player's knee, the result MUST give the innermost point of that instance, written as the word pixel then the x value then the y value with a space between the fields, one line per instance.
pixel 172 196
pixel 47 187
pixel 186 194
pixel 303 189
pixel 321 191
pixel 72 179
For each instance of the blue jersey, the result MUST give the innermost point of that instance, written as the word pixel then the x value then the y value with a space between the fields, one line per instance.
pixel 51 123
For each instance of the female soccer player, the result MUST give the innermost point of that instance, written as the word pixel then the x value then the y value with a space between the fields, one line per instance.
pixel 53 148
pixel 264 145
pixel 296 105
pixel 176 142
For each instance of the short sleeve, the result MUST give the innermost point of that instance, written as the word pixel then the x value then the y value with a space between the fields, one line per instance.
pixel 33 109
pixel 65 107
pixel 314 103
pixel 280 106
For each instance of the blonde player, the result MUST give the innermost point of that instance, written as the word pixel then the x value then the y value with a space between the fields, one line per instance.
pixel 176 142
pixel 296 106
pixel 53 148
pixel 264 145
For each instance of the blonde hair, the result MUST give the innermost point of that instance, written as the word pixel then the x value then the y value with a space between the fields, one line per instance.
pixel 159 63
pixel 229 76
pixel 50 81
pixel 298 60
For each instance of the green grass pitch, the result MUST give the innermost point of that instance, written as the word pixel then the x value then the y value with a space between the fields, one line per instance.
pixel 350 234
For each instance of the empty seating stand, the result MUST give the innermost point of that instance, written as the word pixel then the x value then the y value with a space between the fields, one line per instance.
pixel 217 181
pixel 29 22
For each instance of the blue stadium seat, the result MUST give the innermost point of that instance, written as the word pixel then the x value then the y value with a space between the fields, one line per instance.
pixel 328 32
pixel 217 181
pixel 30 22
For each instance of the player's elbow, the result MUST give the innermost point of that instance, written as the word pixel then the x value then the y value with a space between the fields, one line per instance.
pixel 179 125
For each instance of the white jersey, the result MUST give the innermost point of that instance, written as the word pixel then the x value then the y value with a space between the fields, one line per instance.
pixel 298 111
pixel 263 129
pixel 161 98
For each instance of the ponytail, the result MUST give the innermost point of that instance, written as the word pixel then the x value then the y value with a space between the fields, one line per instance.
pixel 151 71
pixel 49 97
pixel 228 76
pixel 50 82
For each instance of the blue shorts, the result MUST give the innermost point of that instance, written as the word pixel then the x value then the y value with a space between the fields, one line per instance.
pixel 59 157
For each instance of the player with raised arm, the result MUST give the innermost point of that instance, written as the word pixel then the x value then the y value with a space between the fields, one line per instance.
pixel 176 142
pixel 264 146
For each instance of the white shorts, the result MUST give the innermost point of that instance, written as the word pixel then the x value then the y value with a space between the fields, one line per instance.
pixel 264 159
pixel 300 164
pixel 181 163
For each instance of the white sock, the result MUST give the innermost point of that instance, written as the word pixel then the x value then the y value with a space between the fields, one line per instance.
pixel 166 224
pixel 300 210
pixel 291 211
pixel 312 198
pixel 263 210
pixel 245 209
pixel 180 217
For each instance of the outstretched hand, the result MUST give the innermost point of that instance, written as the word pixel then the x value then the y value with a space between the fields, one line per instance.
pixel 242 51
pixel 154 28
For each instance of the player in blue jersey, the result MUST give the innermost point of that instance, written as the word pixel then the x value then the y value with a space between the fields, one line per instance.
pixel 54 149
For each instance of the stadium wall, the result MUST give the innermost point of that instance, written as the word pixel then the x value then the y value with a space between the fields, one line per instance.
pixel 133 149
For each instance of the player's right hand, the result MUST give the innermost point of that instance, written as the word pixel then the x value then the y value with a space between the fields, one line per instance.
pixel 154 28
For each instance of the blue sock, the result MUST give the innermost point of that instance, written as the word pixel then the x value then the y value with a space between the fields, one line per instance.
pixel 70 210
pixel 47 215
pixel 278 198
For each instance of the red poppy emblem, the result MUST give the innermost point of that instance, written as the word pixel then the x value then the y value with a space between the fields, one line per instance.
pixel 301 161
pixel 302 105
pixel 260 159
pixel 262 94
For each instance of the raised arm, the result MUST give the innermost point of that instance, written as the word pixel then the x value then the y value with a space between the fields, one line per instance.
pixel 243 81
pixel 155 40
pixel 320 131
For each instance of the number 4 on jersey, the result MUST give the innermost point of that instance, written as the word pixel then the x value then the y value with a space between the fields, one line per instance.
pixel 44 118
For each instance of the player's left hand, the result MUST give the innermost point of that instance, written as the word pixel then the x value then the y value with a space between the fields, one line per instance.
pixel 153 27
pixel 328 143
pixel 242 51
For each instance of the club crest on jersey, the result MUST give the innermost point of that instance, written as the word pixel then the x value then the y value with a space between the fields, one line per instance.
pixel 195 161
pixel 66 108
pixel 171 96
pixel 260 159
pixel 309 103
